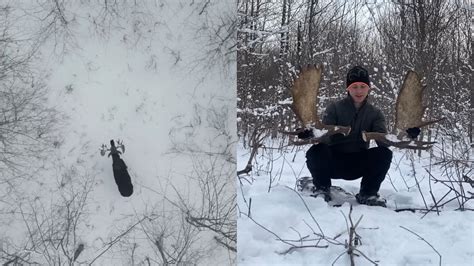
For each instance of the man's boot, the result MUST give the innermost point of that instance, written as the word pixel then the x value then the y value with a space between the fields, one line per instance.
pixel 371 200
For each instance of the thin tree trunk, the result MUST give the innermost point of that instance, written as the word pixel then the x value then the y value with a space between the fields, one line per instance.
pixel 471 117
pixel 283 24
pixel 310 28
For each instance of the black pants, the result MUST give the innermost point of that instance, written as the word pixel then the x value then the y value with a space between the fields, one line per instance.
pixel 372 165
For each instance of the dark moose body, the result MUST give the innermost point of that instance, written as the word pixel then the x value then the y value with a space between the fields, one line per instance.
pixel 121 176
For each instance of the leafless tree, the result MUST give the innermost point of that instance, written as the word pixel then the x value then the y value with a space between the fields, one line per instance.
pixel 54 224
pixel 28 123
pixel 213 208
pixel 161 237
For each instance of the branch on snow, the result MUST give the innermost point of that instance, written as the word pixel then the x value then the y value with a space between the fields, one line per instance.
pixel 424 241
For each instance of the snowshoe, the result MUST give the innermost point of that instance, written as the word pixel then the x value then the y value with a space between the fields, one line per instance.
pixel 323 192
pixel 334 196
pixel 371 200
pixel 304 183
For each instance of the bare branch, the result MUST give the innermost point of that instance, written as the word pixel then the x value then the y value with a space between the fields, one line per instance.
pixel 117 239
pixel 424 241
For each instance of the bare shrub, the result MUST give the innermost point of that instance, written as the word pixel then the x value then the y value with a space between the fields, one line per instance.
pixel 53 224
pixel 212 175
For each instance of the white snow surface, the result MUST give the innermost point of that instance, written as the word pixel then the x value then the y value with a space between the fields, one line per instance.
pixel 141 82
pixel 278 213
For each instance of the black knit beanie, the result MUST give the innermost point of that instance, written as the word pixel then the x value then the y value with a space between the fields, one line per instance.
pixel 357 74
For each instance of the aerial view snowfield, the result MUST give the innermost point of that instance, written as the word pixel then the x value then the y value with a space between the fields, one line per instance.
pixel 148 74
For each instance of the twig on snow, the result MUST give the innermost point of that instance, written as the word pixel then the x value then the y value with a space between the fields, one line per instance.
pixel 424 241
pixel 354 240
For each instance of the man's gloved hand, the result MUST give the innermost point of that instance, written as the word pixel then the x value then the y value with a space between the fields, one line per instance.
pixel 413 132
pixel 305 134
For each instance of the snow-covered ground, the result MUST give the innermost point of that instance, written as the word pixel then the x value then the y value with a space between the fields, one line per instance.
pixel 145 74
pixel 280 218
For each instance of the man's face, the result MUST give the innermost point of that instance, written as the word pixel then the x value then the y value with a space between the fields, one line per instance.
pixel 358 91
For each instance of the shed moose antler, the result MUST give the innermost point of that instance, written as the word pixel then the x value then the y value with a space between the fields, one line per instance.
pixel 305 92
pixel 409 111
pixel 408 114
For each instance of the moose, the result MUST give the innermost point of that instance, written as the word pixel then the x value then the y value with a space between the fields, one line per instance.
pixel 121 175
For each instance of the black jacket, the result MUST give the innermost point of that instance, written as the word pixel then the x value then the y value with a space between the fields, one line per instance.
pixel 343 113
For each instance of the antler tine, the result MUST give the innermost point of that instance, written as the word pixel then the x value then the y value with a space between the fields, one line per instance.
pixel 427 123
pixel 103 149
pixel 121 146
pixel 405 144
